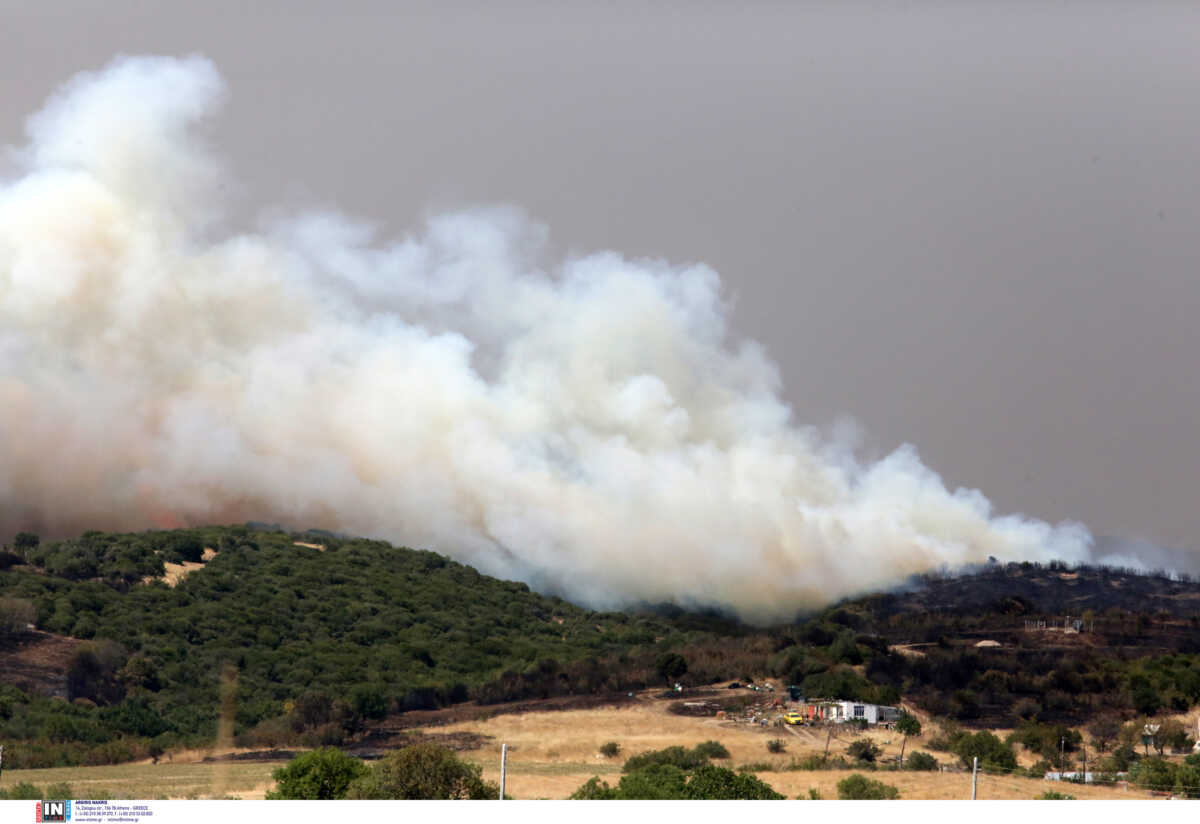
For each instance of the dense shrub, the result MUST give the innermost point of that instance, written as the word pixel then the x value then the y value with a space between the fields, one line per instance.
pixel 679 757
pixel 593 790
pixel 860 788
pixel 718 783
pixel 665 782
pixel 863 749
pixel 1153 774
pixel 921 761
pixel 1187 780
pixel 422 772
pixel 610 749
pixel 657 782
pixel 318 775
pixel 711 749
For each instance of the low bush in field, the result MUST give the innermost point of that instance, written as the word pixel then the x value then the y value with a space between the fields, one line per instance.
pixel 860 788
pixel 921 761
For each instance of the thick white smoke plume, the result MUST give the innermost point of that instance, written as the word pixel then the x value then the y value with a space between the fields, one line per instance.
pixel 587 426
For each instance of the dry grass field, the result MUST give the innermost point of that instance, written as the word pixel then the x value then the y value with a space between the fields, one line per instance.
pixel 550 754
pixel 165 780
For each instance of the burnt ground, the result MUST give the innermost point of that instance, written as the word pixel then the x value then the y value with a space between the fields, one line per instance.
pixel 37 662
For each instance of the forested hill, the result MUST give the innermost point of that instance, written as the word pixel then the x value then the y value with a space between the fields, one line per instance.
pixel 319 636
pixel 323 633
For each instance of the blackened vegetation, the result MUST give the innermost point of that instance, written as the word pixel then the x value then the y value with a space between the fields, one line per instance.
pixel 1055 588
pixel 1074 642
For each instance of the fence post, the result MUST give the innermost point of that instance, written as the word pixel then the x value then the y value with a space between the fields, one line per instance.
pixel 503 766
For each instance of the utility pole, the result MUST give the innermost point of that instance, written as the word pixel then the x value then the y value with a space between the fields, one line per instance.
pixel 1062 755
pixel 503 766
pixel 974 776
pixel 827 737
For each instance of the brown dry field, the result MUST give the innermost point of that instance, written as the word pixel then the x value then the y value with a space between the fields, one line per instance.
pixel 175 779
pixel 550 754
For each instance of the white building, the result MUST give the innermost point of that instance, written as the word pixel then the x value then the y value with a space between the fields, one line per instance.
pixel 871 713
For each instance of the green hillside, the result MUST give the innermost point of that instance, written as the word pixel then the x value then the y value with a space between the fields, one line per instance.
pixel 321 640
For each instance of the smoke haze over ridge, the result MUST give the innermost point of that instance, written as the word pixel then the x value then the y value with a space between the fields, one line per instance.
pixel 587 425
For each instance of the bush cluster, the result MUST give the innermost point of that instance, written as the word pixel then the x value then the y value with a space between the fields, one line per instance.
pixel 677 773
pixel 420 772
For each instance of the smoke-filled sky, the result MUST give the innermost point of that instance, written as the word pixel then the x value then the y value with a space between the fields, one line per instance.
pixel 352 273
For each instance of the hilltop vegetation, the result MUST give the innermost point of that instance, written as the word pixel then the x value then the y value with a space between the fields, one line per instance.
pixel 319 636
pixel 320 640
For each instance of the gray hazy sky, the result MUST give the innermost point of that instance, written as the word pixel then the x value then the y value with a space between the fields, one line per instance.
pixel 969 226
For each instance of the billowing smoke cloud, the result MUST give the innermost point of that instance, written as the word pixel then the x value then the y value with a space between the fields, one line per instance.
pixel 589 426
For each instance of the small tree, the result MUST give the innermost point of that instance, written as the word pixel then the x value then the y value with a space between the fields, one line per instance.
pixel 671 665
pixel 610 749
pixel 863 749
pixel 776 745
pixel 1104 730
pixel 907 725
pixel 323 774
